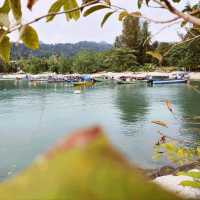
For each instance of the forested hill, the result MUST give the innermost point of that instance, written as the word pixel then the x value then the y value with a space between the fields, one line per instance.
pixel 66 49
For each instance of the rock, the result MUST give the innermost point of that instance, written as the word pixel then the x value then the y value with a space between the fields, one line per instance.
pixel 172 183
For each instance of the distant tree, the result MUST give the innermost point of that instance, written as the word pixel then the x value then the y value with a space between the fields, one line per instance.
pixel 121 59
pixel 144 39
pixel 129 36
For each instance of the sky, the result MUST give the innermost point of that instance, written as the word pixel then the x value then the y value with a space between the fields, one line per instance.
pixel 88 28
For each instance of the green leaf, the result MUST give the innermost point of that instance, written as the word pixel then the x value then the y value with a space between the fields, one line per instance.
pixel 140 2
pixel 156 55
pixel 107 15
pixel 193 174
pixel 15 6
pixel 55 7
pixel 4 20
pixel 93 9
pixel 5 7
pixel 2 33
pixel 69 5
pixel 193 184
pixel 5 47
pixel 122 15
pixel 29 37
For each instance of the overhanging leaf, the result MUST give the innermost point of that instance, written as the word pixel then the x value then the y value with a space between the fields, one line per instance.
pixel 69 5
pixel 30 3
pixel 106 16
pixel 29 37
pixel 2 34
pixel 139 3
pixel 5 47
pixel 156 55
pixel 55 7
pixel 4 20
pixel 93 9
pixel 15 6
pixel 5 7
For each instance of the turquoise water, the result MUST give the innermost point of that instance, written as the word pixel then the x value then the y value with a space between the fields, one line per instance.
pixel 33 117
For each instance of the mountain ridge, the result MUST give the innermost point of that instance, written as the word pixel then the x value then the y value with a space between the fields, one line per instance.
pixel 60 49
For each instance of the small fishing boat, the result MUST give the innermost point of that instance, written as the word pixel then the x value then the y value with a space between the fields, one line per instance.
pixel 83 84
pixel 103 79
pixel 125 81
pixel 170 81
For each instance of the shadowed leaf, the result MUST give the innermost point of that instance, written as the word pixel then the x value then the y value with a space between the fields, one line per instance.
pixel 5 47
pixel 15 6
pixel 107 15
pixel 29 37
pixel 5 8
pixel 93 9
pixel 55 7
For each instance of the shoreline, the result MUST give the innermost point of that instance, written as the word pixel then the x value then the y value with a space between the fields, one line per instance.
pixel 192 75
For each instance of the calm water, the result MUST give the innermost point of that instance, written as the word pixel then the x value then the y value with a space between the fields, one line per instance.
pixel 32 118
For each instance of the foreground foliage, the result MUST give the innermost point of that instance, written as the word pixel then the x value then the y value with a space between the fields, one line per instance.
pixel 84 166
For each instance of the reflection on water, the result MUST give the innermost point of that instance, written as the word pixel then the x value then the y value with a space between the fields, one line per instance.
pixel 34 116
pixel 132 103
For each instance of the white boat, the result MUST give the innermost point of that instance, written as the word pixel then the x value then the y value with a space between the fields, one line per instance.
pixel 125 81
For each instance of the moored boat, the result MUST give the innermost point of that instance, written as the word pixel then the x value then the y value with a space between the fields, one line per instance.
pixel 170 81
pixel 83 84
pixel 125 81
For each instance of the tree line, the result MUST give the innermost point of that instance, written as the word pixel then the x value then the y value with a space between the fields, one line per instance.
pixel 129 53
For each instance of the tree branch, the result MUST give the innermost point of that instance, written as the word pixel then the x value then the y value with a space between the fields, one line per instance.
pixel 187 17
pixel 52 14
pixel 180 43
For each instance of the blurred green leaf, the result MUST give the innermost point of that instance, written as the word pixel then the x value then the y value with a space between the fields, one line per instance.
pixel 105 18
pixel 5 47
pixel 85 166
pixel 5 8
pixel 140 2
pixel 93 9
pixel 69 5
pixel 4 20
pixel 29 37
pixel 190 184
pixel 192 174
pixel 15 6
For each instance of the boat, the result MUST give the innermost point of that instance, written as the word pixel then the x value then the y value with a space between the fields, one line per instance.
pixel 170 81
pixel 125 81
pixel 83 84
pixel 102 79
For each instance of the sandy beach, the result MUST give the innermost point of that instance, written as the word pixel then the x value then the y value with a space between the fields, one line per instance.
pixel 192 75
